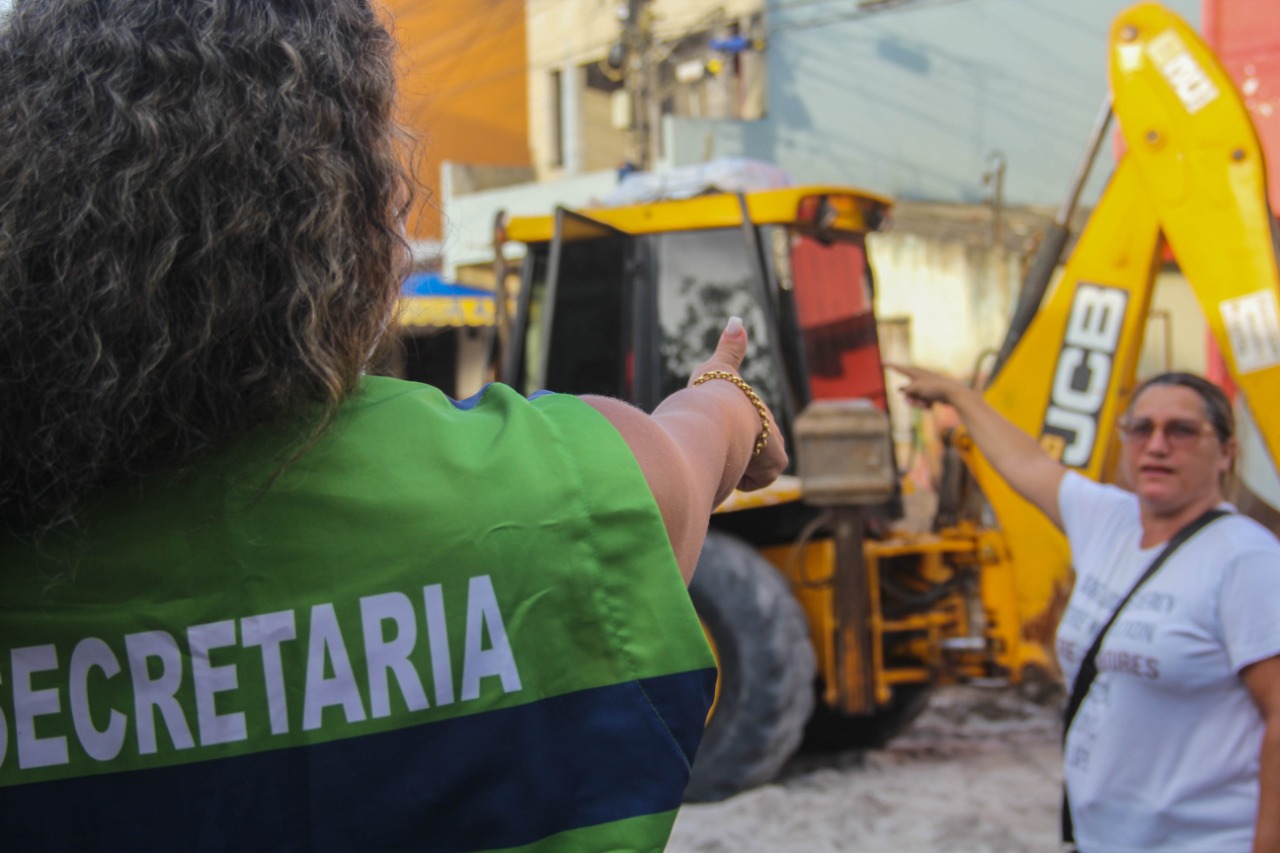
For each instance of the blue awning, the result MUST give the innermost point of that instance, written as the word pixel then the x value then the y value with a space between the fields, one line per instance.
pixel 430 301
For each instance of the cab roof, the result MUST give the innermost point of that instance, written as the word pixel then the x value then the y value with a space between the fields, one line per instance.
pixel 846 209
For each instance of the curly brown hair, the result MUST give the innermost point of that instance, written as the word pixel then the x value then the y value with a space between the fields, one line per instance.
pixel 198 231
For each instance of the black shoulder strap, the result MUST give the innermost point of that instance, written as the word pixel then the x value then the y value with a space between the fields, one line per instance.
pixel 1088 667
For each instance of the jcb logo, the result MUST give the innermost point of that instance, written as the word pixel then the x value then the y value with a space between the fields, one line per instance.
pixel 1083 374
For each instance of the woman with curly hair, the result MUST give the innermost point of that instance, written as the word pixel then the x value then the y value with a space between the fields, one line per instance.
pixel 251 597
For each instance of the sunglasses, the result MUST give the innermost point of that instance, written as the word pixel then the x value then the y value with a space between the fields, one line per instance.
pixel 1180 434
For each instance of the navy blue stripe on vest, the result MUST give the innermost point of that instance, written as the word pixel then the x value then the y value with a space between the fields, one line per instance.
pixel 493 780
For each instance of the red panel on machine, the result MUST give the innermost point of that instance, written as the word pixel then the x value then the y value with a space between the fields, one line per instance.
pixel 1245 34
pixel 833 301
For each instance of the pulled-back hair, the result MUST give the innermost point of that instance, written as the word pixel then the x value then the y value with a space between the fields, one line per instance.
pixel 1216 405
pixel 198 231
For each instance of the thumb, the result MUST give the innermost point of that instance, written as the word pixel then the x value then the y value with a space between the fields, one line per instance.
pixel 732 346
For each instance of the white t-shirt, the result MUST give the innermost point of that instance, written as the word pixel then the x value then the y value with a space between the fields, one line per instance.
pixel 1163 753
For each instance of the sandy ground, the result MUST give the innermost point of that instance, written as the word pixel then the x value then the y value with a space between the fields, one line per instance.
pixel 978 772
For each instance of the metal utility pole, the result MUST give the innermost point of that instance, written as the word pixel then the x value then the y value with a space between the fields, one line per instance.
pixel 637 38
pixel 994 177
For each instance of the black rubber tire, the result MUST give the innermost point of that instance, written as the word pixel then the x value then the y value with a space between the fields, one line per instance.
pixel 831 731
pixel 767 669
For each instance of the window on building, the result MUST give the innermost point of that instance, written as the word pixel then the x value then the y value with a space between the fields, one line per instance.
pixel 604 141
pixel 601 78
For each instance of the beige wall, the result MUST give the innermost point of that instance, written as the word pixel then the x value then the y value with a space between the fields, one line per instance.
pixel 1176 329
pixel 959 299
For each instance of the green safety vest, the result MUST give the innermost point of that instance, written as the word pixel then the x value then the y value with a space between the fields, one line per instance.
pixel 445 626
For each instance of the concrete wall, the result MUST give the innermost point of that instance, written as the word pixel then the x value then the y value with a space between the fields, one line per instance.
pixel 957 299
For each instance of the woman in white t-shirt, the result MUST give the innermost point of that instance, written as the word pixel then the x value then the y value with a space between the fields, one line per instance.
pixel 1176 746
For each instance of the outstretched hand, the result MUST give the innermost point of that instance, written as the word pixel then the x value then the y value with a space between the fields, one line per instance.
pixel 696 446
pixel 730 351
pixel 926 387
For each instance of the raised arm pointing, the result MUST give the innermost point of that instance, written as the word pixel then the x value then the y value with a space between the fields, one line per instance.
pixel 1015 455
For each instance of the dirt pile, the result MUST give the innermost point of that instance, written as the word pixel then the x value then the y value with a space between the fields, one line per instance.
pixel 978 772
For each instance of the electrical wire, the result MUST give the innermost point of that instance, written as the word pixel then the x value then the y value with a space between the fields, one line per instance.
pixel 795 562
pixel 852 14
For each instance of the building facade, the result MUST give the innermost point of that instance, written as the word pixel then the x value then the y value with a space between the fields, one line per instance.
pixel 981 108
pixel 922 99
pixel 602 73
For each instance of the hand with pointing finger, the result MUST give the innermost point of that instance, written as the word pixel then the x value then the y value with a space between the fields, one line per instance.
pixel 765 466
pixel 926 387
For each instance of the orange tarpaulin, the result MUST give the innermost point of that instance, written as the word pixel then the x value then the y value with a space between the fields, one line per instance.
pixel 463 90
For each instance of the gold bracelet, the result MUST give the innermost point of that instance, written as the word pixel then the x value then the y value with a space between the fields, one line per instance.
pixel 751 395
